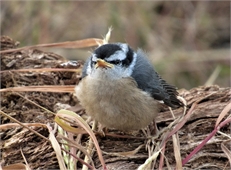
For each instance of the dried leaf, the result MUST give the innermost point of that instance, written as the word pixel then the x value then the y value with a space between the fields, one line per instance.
pixel 57 149
pixel 73 116
pixel 68 128
pixel 24 158
pixel 78 146
pixel 13 125
pixel 223 113
pixel 176 147
pixel 57 89
pixel 149 161
pixel 68 44
pixel 43 70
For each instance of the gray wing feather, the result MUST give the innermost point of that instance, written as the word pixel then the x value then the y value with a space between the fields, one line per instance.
pixel 150 81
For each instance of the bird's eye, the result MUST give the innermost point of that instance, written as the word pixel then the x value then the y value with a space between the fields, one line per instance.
pixel 115 62
pixel 93 63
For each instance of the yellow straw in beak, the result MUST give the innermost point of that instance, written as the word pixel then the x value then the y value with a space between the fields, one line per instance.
pixel 103 64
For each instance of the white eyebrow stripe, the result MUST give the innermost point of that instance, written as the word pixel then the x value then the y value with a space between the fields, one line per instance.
pixel 89 69
pixel 132 65
pixel 94 58
pixel 119 55
pixel 124 47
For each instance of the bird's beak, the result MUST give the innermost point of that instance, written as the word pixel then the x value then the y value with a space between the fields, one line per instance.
pixel 103 64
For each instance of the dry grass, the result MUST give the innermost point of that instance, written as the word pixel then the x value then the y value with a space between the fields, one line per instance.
pixel 66 139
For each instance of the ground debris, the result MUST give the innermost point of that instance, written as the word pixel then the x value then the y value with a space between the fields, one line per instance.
pixel 39 153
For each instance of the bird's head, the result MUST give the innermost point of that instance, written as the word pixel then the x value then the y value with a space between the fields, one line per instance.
pixel 113 60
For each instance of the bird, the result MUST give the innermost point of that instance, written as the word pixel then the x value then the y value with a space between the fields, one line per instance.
pixel 120 88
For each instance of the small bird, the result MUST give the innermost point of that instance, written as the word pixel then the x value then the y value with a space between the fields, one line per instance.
pixel 120 88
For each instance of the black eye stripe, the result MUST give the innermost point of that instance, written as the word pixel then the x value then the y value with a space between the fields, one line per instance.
pixel 116 62
pixel 105 51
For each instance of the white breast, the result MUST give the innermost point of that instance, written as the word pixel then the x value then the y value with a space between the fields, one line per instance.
pixel 116 103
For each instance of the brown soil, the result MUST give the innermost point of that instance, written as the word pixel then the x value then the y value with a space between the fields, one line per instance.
pixel 40 154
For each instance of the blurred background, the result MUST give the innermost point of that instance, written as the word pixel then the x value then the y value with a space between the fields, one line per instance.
pixel 187 42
